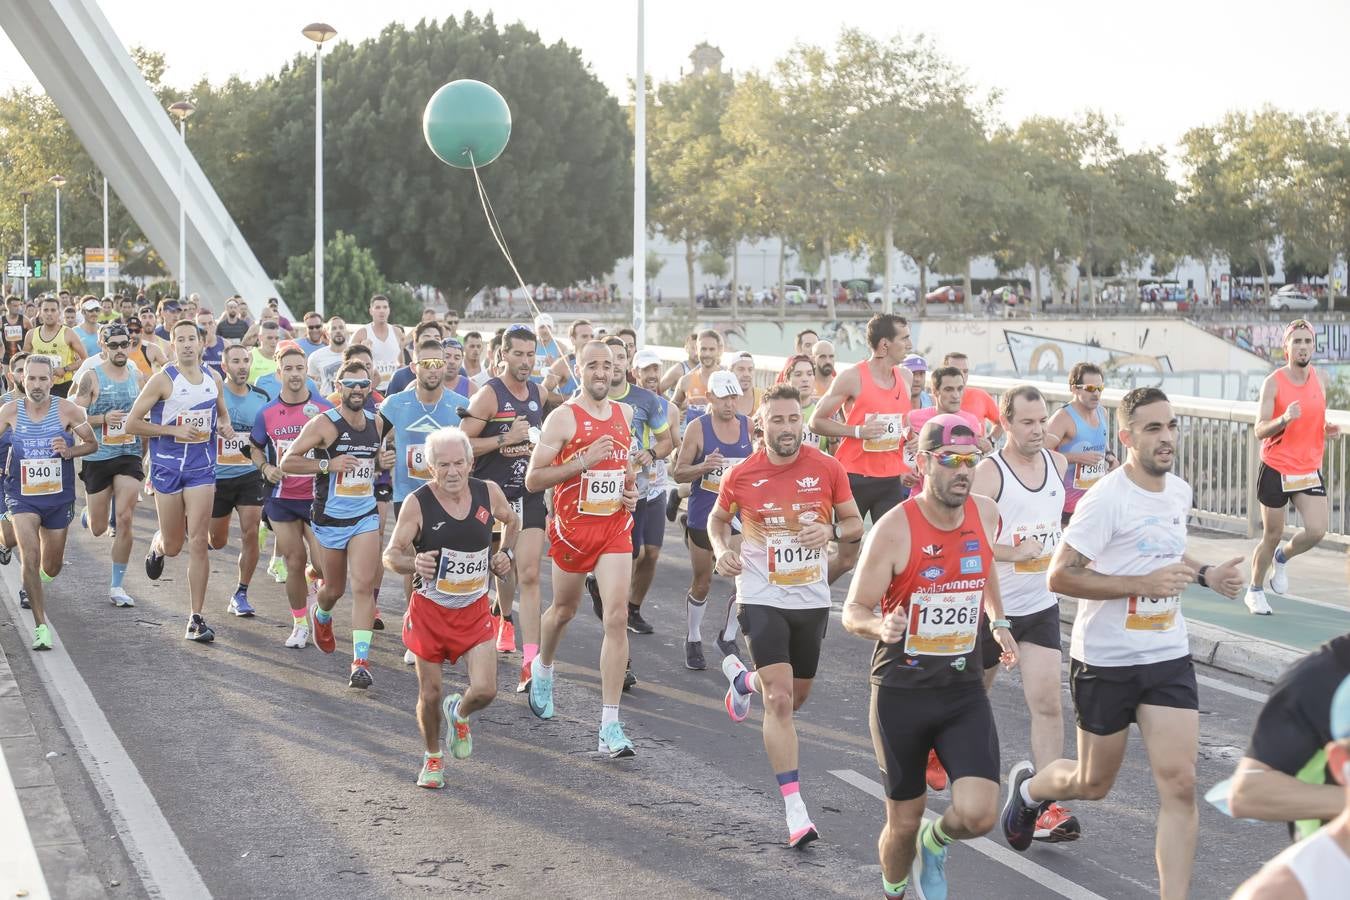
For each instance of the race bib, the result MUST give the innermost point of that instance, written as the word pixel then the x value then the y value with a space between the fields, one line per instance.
pixel 38 477
pixel 14 333
pixel 116 435
pixel 232 451
pixel 200 419
pixel 713 480
pixel 360 482
pixel 1085 477
pixel 1292 484
pixel 895 427
pixel 1151 613
pixel 943 624
pixel 462 573
pixel 791 564
pixel 601 492
pixel 1048 535
pixel 417 462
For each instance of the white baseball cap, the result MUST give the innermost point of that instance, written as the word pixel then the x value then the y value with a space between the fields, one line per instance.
pixel 543 320
pixel 92 305
pixel 646 357
pixel 724 384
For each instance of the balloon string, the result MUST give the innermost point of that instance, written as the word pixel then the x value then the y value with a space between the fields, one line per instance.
pixel 495 228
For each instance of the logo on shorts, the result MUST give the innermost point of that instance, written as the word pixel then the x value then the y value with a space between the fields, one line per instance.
pixel 932 573
pixel 971 565
pixel 959 664
pixel 481 515
pixel 972 546
pixel 932 550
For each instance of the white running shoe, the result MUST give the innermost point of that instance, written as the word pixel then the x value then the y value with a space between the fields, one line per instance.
pixel 408 658
pixel 299 637
pixel 1256 602
pixel 738 704
pixel 120 598
pixel 1279 577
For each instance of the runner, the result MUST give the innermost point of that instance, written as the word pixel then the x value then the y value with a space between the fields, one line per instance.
pixel 345 444
pixel 65 349
pixel 1078 430
pixel 691 391
pixel 919 398
pixel 233 323
pixel 265 353
pixel 793 500
pixel 583 455
pixel 312 338
pixel 148 358
pixel 743 367
pixel 563 383
pixel 975 400
pixel 714 445
pixel 15 326
pixel 213 345
pixel 1317 868
pixel 239 484
pixel 655 447
pixel 1293 430
pixel 503 421
pixel 875 397
pixel 87 330
pixel 473 356
pixel 683 367
pixel 113 474
pixel 384 339
pixel 1130 657
pixel 1026 481
pixel 448 616
pixel 928 568
pixel 822 357
pixel 406 375
pixel 804 341
pixel 40 480
pixel 455 379
pixel 325 361
pixel 548 350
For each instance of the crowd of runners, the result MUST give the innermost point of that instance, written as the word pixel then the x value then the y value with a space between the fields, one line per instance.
pixel 459 460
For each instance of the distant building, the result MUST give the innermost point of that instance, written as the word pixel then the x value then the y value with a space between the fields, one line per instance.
pixel 706 58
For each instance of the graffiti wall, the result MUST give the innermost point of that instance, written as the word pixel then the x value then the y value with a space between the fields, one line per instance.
pixel 1038 354
pixel 1266 339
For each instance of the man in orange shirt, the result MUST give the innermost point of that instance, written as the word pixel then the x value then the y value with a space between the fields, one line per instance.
pixel 974 400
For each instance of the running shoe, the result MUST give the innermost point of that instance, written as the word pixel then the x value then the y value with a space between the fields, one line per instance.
pixel 6 554
pixel 312 591
pixel 198 630
pixel 1256 602
pixel 541 696
pixel 738 704
pixel 935 775
pixel 523 684
pixel 1056 824
pixel 322 631
pixel 506 636
pixel 672 505
pixel 23 600
pixel 614 742
pixel 120 598
pixel 593 588
pixel 154 562
pixel 930 869
pixel 1279 577
pixel 299 637
pixel 379 621
pixel 636 623
pixel 629 679
pixel 728 648
pixel 360 677
pixel 263 532
pixel 239 605
pixel 277 569
pixel 42 637
pixel 84 518
pixel 693 656
pixel 1019 817
pixel 461 741
pixel 433 772
pixel 803 836
pixel 409 658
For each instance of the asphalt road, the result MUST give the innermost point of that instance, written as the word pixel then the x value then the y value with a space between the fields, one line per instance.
pixel 279 781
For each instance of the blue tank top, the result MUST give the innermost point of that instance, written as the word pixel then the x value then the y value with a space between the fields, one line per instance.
pixel 1086 439
pixel 115 395
pixel 36 474
pixel 344 498
pixel 187 402
pixel 703 492
pixel 90 341
pixel 412 420
pixel 230 452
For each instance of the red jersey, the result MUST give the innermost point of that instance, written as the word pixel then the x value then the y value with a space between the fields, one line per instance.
pixel 1296 452
pixel 981 405
pixel 941 590
pixel 879 457
pixel 588 510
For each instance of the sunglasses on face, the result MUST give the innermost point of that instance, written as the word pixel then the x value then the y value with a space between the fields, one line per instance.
pixel 952 460
pixel 355 384
pixel 431 364
pixel 1091 388
pixel 314 327
pixel 118 345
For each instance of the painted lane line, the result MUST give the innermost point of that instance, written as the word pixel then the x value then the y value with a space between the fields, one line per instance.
pixel 20 872
pixel 160 860
pixel 1245 693
pixel 997 852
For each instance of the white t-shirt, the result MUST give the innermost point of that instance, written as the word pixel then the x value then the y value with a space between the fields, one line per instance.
pixel 323 365
pixel 89 363
pixel 1126 530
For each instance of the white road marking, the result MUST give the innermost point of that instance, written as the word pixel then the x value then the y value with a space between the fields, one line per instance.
pixel 997 852
pixel 1233 689
pixel 20 871
pixel 160 860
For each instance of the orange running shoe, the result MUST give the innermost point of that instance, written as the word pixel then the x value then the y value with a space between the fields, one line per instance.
pixel 321 631
pixel 524 684
pixel 1056 824
pixel 935 775
pixel 506 636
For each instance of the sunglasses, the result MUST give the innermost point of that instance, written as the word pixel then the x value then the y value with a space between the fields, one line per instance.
pixel 118 345
pixel 355 384
pixel 1091 388
pixel 431 364
pixel 314 326
pixel 952 460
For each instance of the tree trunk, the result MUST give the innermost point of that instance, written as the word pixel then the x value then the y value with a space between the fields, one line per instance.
pixel 966 286
pixel 1207 296
pixel 922 299
pixel 887 301
pixel 1331 290
pixel 1265 276
pixel 829 281
pixel 1092 285
pixel 735 280
pixel 689 268
pixel 782 285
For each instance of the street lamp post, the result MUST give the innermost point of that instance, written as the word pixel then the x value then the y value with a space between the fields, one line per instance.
pixel 318 32
pixel 24 196
pixel 180 111
pixel 57 181
pixel 107 271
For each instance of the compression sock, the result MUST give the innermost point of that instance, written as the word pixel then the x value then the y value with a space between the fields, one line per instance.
pixel 300 617
pixel 746 683
pixel 361 644
pixel 323 616
pixel 894 888
pixel 609 714
pixel 694 610
pixel 119 571
pixel 935 839
pixel 790 788
pixel 531 651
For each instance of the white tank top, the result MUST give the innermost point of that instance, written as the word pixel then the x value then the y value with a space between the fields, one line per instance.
pixel 387 353
pixel 1320 865
pixel 1025 513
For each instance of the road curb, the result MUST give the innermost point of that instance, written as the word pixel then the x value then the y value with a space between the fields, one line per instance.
pixel 1229 651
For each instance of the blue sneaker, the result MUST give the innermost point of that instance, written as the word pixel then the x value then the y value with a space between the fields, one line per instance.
pixel 239 605
pixel 614 742
pixel 541 695
pixel 930 869
pixel 1019 818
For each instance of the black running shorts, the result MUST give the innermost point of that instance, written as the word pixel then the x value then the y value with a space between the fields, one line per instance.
pixel 1039 628
pixel 874 496
pixel 1270 489
pixel 955 721
pixel 777 635
pixel 1105 697
pixel 98 474
pixel 232 493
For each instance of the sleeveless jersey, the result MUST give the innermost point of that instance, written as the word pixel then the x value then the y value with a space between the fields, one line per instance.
pixel 695 396
pixel 138 357
pixel 1296 452
pixel 386 352
pixel 343 498
pixel 703 491
pixel 591 502
pixel 13 336
pixel 881 457
pixel 464 547
pixel 232 456
pixel 1087 438
pixel 545 355
pixel 275 428
pixel 89 340
pixel 114 395
pixel 412 421
pixel 1023 513
pixel 56 348
pixel 187 403
pixel 1319 864
pixel 942 590
pixel 36 474
pixel 506 465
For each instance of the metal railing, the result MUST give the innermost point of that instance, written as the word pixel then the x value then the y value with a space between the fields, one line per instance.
pixel 1217 453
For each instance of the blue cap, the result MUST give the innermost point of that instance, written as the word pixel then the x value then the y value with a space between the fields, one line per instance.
pixel 1340 712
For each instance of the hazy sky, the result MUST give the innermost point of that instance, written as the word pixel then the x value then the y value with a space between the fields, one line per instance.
pixel 1158 66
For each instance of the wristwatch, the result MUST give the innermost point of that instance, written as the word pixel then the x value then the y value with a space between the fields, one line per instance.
pixel 323 466
pixel 510 554
pixel 838 534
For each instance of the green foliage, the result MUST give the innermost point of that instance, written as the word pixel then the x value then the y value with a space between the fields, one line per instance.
pixel 350 278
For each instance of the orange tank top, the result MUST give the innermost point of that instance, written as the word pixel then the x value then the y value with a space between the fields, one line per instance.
pixel 1297 450
pixel 880 457
pixel 596 495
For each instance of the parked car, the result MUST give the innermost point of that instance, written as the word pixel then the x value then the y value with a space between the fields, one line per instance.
pixel 1290 300
pixel 948 293
pixel 1010 295
pixel 899 294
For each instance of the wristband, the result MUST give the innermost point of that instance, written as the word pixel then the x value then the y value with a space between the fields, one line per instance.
pixel 857 431
pixel 510 554
pixel 996 624
pixel 1200 576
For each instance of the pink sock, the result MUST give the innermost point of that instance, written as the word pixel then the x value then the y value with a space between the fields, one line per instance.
pixel 531 651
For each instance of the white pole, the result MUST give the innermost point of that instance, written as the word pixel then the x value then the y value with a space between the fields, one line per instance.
pixel 182 209
pixel 318 179
pixel 107 270
pixel 640 187
pixel 58 240
pixel 25 250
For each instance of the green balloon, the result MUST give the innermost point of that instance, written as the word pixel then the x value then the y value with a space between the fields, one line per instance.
pixel 466 117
